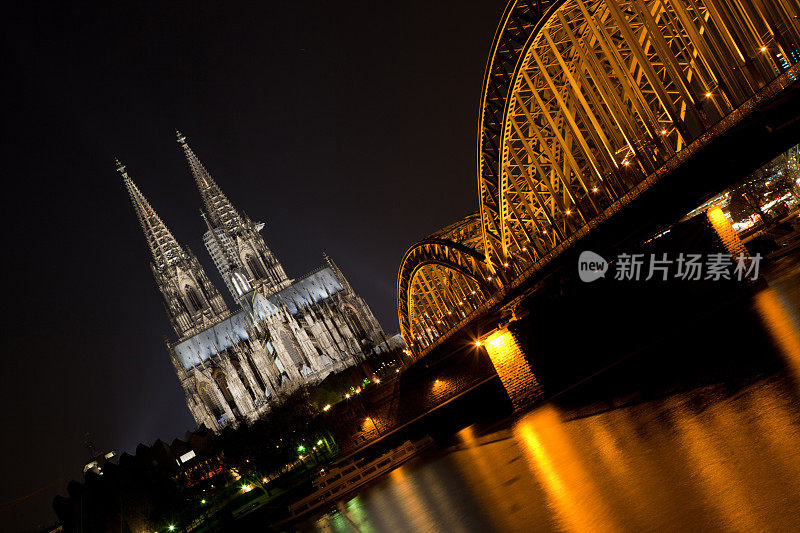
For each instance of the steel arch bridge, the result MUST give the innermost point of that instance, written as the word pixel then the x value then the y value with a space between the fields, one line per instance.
pixel 586 104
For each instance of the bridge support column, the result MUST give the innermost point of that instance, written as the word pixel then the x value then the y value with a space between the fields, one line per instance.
pixel 512 367
pixel 730 240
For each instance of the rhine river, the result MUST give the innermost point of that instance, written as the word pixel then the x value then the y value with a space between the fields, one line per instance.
pixel 722 454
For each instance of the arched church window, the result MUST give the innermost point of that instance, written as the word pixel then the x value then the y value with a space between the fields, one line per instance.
pixel 238 367
pixel 194 298
pixel 254 370
pixel 255 267
pixel 239 283
pixel 355 322
pixel 290 347
pixel 222 382
pixel 208 399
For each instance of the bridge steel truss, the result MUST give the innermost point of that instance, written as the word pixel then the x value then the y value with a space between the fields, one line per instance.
pixel 584 103
pixel 444 277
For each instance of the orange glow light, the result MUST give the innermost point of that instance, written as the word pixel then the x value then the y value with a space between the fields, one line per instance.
pixel 725 231
pixel 498 339
pixel 513 370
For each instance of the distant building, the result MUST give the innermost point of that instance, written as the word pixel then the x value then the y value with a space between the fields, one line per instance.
pixel 97 461
pixel 284 332
pixel 135 492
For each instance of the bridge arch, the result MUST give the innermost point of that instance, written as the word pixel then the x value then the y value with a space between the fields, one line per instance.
pixel 441 279
pixel 603 93
pixel 585 105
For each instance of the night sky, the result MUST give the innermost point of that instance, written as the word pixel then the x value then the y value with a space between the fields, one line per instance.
pixel 347 127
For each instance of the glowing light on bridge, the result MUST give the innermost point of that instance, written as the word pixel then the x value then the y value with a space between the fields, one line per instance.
pixel 511 366
pixel 725 230
pixel 584 105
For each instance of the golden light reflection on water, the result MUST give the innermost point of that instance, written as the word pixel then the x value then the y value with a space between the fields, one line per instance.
pixel 561 472
pixel 781 321
pixel 701 460
pixel 509 496
pixel 721 482
pixel 416 512
pixel 615 456
pixel 777 427
pixel 625 467
pixel 434 489
pixel 709 459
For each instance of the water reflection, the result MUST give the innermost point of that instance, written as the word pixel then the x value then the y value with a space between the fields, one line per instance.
pixel 779 315
pixel 702 460
pixel 715 458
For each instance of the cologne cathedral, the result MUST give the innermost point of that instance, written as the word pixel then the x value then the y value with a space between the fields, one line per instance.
pixel 284 332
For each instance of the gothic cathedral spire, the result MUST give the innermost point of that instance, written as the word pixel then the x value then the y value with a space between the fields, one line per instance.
pixel 165 249
pixel 233 240
pixel 220 210
pixel 191 300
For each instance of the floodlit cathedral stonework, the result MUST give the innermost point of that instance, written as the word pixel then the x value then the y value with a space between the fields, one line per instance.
pixel 283 333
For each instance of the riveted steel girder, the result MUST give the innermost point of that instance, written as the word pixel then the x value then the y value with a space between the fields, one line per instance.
pixel 585 104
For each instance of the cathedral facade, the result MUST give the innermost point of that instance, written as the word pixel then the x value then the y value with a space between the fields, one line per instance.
pixel 283 332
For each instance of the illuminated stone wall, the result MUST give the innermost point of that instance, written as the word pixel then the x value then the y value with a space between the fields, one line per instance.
pixel 513 368
pixel 733 244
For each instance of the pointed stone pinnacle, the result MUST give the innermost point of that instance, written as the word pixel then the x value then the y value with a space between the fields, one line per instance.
pixel 208 223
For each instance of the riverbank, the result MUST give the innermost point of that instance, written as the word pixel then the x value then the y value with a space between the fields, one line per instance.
pixel 704 439
pixel 443 395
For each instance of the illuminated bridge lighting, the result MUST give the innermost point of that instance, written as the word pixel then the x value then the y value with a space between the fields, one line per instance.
pixel 511 366
pixel 578 93
pixel 725 231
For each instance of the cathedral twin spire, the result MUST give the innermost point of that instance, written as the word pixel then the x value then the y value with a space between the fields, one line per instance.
pixel 163 245
pixel 190 299
pixel 234 242
pixel 220 210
